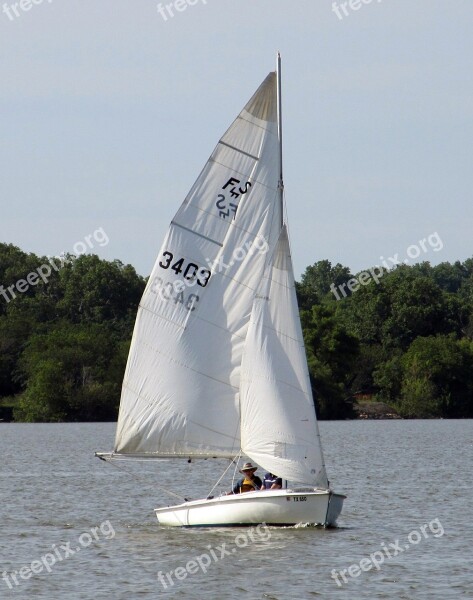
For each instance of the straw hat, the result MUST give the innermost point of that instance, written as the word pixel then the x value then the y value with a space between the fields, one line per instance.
pixel 248 467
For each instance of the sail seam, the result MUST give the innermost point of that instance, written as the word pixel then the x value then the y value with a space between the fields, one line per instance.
pixel 286 335
pixel 213 431
pixel 251 122
pixel 232 333
pixel 197 317
pixel 156 351
pixel 276 282
pixel 153 312
pixel 294 387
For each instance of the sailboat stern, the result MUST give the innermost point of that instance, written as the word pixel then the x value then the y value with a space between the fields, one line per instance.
pixel 335 505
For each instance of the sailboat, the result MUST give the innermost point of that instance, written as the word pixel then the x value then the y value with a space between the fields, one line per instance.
pixel 217 366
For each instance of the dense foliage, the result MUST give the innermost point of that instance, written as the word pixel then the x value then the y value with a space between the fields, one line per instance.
pixel 403 337
pixel 64 340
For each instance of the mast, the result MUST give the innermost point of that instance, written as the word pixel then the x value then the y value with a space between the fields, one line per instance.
pixel 279 102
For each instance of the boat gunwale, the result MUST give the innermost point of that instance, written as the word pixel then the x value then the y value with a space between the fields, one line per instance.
pixel 247 496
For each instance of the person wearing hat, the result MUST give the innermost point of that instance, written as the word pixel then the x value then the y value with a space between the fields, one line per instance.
pixel 249 482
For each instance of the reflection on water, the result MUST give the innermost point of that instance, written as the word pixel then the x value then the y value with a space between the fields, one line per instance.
pixel 399 476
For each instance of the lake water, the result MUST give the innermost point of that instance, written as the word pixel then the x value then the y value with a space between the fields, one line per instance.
pixel 409 486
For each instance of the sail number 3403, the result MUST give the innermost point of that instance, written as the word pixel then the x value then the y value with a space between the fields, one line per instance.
pixel 189 271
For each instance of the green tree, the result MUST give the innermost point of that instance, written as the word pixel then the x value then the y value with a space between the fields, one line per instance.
pixel 46 397
pixel 404 304
pixel 331 354
pixel 387 379
pixel 80 290
pixel 72 372
pixel 419 399
pixel 450 277
pixel 95 290
pixel 14 333
pixel 317 282
pixel 437 378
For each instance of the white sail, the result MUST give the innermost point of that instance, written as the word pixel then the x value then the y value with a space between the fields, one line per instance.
pixel 279 428
pixel 180 393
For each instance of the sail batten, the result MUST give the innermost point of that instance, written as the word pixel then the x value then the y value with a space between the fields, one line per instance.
pixel 239 150
pixel 196 233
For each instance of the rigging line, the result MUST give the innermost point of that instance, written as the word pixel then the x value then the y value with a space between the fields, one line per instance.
pixel 224 473
pixel 110 461
pixel 236 467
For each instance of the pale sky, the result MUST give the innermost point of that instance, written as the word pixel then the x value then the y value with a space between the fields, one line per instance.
pixel 109 112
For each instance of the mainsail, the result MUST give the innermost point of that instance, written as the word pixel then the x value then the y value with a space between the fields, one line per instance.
pixel 180 393
pixel 278 424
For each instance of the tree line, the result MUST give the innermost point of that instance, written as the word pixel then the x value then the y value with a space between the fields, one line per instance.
pixel 403 338
pixel 64 341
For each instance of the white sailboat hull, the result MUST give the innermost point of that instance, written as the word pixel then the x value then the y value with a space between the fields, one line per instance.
pixel 273 507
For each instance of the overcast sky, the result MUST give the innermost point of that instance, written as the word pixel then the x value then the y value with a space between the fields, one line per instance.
pixel 109 112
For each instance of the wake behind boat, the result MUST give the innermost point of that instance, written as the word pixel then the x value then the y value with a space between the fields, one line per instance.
pixel 217 366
